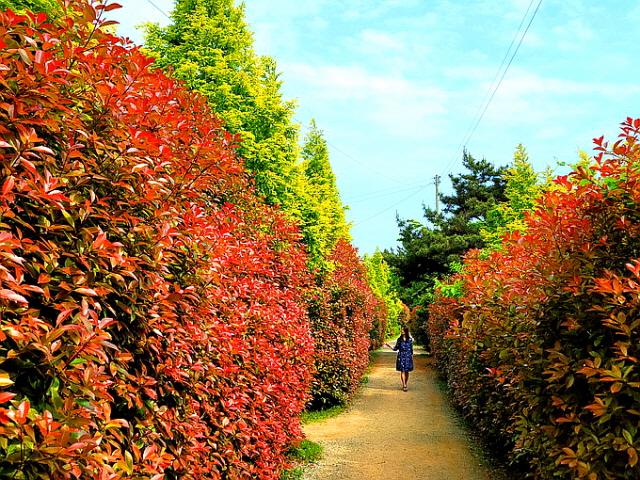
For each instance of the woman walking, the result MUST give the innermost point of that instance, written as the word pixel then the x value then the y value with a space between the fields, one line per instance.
pixel 404 361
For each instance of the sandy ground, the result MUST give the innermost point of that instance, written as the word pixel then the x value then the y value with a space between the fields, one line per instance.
pixel 391 434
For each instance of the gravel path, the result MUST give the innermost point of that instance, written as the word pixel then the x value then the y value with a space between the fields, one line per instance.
pixel 388 433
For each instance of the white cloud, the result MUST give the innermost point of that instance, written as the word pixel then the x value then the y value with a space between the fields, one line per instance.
pixel 572 35
pixel 521 82
pixel 398 105
pixel 549 109
pixel 376 40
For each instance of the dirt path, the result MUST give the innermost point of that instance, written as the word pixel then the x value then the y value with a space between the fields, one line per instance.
pixel 388 433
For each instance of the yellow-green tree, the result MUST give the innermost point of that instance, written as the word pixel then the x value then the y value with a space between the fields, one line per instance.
pixel 209 46
pixel 383 285
pixel 324 221
pixel 522 188
pixel 50 7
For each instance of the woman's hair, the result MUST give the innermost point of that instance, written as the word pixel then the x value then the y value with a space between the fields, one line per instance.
pixel 405 332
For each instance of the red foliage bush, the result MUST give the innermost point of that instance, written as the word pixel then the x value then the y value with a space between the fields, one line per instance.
pixel 152 323
pixel 342 311
pixel 542 349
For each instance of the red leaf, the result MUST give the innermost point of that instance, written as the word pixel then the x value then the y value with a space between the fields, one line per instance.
pixel 23 411
pixel 6 396
pixel 4 418
pixel 86 291
pixel 8 184
pixel 12 296
pixel 112 6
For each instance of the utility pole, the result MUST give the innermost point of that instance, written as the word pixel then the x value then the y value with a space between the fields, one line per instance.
pixel 436 179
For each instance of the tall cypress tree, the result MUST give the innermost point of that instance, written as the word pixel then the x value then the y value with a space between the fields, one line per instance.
pixel 384 286
pixel 209 46
pixel 522 188
pixel 324 221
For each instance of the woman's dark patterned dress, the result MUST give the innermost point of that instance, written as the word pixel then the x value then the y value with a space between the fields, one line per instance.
pixel 404 362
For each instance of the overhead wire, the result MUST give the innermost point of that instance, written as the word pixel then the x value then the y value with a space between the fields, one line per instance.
pixel 384 191
pixel 152 3
pixel 356 160
pixel 373 195
pixel 484 105
pixel 472 130
pixel 364 164
pixel 503 73
pixel 375 215
pixel 495 76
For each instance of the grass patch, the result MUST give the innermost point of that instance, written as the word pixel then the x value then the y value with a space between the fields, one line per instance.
pixel 292 474
pixel 319 415
pixel 307 451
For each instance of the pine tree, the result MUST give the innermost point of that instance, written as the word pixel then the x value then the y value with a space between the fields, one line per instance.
pixel 432 249
pixel 474 194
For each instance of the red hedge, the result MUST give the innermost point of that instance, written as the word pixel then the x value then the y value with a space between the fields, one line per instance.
pixel 151 317
pixel 542 349
pixel 342 311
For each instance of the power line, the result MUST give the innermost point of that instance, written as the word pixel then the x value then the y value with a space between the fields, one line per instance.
pixel 470 132
pixel 158 8
pixel 354 159
pixel 357 224
pixel 364 164
pixel 504 73
pixel 375 196
pixel 495 77
pixel 384 191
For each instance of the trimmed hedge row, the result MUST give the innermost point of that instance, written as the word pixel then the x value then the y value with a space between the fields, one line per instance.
pixel 152 317
pixel 541 350
pixel 343 312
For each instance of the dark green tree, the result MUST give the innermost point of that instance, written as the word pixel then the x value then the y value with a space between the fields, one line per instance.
pixel 474 194
pixel 434 248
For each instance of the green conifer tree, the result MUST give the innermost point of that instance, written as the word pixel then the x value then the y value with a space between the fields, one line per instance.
pixel 383 284
pixel 434 248
pixel 522 188
pixel 209 46
pixel 324 221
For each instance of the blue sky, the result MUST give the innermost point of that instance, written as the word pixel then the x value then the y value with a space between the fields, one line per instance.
pixel 396 84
